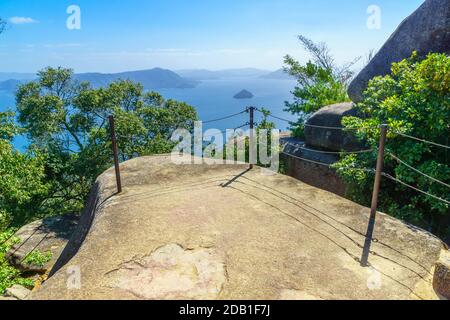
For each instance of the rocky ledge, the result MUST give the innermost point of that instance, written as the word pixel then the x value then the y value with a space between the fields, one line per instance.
pixel 224 232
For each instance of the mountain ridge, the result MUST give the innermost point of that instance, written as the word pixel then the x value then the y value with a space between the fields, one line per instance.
pixel 156 78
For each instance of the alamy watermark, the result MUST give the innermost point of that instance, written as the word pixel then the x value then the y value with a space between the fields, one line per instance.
pixel 374 19
pixel 233 146
pixel 73 22
pixel 73 278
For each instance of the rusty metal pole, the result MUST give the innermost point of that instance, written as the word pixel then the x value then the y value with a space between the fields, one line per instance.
pixel 375 194
pixel 116 153
pixel 251 143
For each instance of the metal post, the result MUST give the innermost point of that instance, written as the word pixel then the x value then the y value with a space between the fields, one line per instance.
pixel 376 191
pixel 251 151
pixel 116 153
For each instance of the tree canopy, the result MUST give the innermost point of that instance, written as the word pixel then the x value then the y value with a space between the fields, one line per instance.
pixel 66 121
pixel 321 82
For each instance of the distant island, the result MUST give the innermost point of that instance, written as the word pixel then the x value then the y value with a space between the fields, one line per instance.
pixel 279 74
pixel 203 74
pixel 156 78
pixel 244 94
pixel 152 79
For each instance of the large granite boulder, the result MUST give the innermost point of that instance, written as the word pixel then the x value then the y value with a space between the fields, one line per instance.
pixel 226 232
pixel 426 30
pixel 328 138
pixel 441 280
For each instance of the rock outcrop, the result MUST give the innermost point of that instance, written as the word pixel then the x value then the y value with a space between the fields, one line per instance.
pixel 441 281
pixel 226 232
pixel 47 235
pixel 426 30
pixel 17 292
pixel 328 138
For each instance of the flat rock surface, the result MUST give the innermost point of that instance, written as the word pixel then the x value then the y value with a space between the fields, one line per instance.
pixel 223 232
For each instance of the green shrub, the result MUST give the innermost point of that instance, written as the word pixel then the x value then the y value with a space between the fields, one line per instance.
pixel 9 275
pixel 38 258
pixel 415 100
pixel 320 82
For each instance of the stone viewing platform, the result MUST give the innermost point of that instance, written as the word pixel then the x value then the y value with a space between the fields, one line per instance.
pixel 224 232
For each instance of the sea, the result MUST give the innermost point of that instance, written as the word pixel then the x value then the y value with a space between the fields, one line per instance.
pixel 214 99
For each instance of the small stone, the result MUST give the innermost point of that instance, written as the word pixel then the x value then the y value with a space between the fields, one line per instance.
pixel 441 280
pixel 18 291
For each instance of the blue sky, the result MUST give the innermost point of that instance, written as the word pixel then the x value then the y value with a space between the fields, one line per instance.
pixel 119 35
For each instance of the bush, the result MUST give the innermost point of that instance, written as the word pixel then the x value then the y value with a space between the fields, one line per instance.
pixel 320 82
pixel 9 275
pixel 415 100
pixel 22 186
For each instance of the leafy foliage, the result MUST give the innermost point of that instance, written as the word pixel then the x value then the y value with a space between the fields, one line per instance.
pixel 22 185
pixel 9 275
pixel 67 120
pixel 415 100
pixel 38 258
pixel 320 82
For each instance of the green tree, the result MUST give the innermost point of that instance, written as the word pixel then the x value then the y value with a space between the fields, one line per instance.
pixel 320 81
pixel 415 100
pixel 67 120
pixel 22 186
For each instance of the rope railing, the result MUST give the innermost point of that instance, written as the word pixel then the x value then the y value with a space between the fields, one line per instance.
pixel 421 140
pixel 305 124
pixel 416 170
pixel 327 164
pixel 225 117
pixel 378 172
pixel 223 132
pixel 413 188
pixel 330 152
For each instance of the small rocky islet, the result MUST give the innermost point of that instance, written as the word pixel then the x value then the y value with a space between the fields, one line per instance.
pixel 243 94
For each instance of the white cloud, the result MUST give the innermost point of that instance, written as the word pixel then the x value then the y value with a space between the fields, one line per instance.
pixel 63 45
pixel 22 20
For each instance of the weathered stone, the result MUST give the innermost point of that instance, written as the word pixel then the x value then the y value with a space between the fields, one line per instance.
pixel 172 272
pixel 426 30
pixel 47 235
pixel 18 292
pixel 300 163
pixel 331 139
pixel 230 233
pixel 441 281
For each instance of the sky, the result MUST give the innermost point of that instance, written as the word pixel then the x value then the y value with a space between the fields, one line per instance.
pixel 118 35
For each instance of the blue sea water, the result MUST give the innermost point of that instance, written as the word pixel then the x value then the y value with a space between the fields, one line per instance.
pixel 214 99
pixel 8 102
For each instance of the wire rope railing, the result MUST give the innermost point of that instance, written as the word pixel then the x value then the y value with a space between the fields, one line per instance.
pixel 378 172
pixel 422 140
pixel 414 188
pixel 416 170
pixel 225 117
